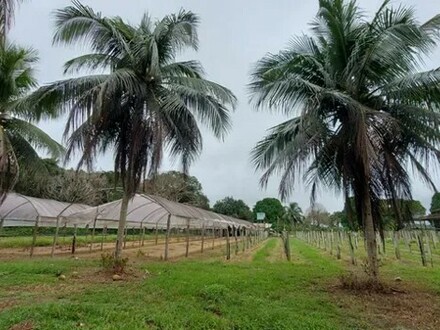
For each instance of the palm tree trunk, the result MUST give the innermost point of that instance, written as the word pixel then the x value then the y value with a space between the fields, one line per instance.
pixel 121 226
pixel 370 237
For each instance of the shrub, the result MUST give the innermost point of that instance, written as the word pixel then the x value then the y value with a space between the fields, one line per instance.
pixel 110 263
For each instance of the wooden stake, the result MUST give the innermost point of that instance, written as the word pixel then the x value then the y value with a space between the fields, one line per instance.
pixel 167 236
pixel 55 237
pixel 203 237
pixel 103 234
pixel 93 234
pixel 143 236
pixel 213 237
pixel 34 238
pixel 187 238
pixel 157 234
pixel 74 239
pixel 228 245
pixel 236 239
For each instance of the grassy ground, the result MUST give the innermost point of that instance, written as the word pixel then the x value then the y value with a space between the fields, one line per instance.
pixel 255 290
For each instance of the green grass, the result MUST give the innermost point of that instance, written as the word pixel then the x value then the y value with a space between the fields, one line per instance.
pixel 189 294
pixel 205 294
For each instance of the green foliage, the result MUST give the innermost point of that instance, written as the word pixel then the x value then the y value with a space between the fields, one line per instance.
pixel 145 102
pixel 110 263
pixel 20 140
pixel 178 187
pixel 435 203
pixel 273 209
pixel 196 294
pixel 233 207
pixel 361 113
pixel 68 185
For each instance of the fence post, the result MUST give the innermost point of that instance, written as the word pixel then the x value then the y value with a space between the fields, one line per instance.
pixel 203 237
pixel 34 236
pixel 167 237
pixel 55 237
pixel 187 238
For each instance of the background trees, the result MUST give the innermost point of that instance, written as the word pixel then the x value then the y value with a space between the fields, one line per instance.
pixel 362 112
pixel 178 187
pixel 234 208
pixel 273 209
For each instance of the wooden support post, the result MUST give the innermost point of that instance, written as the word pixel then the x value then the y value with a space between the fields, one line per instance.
pixel 213 237
pixel 243 240
pixel 236 239
pixel 93 234
pixel 157 233
pixel 187 238
pixel 203 237
pixel 103 234
pixel 167 237
pixel 55 237
pixel 74 239
pixel 34 237
pixel 2 221
pixel 228 245
pixel 87 234
pixel 143 236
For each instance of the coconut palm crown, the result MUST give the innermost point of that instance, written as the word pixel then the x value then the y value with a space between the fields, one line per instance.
pixel 20 140
pixel 363 111
pixel 143 101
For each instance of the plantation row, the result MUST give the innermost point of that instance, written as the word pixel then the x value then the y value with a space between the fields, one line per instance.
pixel 421 245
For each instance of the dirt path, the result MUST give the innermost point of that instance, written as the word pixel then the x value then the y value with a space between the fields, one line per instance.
pixel 177 248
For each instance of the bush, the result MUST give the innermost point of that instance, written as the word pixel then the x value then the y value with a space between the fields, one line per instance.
pixel 110 263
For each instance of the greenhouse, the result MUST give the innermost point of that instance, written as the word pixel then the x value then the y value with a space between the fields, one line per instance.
pixel 162 220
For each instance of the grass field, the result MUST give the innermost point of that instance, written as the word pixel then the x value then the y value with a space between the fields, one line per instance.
pixel 255 290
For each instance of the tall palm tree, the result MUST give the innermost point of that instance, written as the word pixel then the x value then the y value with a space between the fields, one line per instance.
pixel 19 138
pixel 7 8
pixel 366 112
pixel 293 214
pixel 143 102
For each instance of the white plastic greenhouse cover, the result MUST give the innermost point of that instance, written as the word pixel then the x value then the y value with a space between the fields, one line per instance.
pixel 146 211
pixel 19 210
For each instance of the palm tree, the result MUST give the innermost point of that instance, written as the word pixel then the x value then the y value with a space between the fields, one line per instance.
pixel 293 214
pixel 143 102
pixel 7 8
pixel 366 111
pixel 19 138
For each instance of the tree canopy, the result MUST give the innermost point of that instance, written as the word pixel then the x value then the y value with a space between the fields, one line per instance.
pixel 272 207
pixel 178 187
pixel 234 208
pixel 435 203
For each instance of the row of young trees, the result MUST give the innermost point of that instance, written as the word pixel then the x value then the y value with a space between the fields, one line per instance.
pixel 361 111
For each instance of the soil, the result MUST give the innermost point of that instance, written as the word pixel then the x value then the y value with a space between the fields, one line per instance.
pixel 399 306
pixel 177 249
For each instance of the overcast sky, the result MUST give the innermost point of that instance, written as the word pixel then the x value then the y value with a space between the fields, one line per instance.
pixel 233 35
